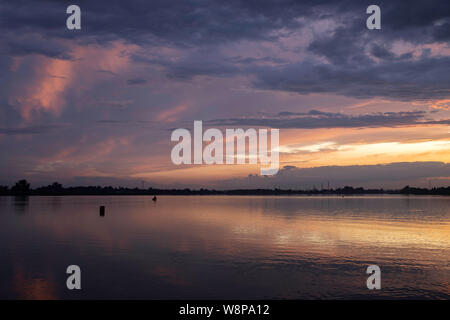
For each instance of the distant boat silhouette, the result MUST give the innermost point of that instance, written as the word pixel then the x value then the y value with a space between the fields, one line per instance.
pixel 154 198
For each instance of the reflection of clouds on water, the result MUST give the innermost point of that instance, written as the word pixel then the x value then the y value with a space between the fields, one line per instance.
pixel 170 274
pixel 21 204
pixel 28 287
pixel 246 247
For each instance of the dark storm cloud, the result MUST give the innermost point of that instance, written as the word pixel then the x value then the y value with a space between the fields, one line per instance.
pixel 342 47
pixel 425 78
pixel 19 45
pixel 193 22
pixel 415 15
pixel 316 119
pixel 359 62
pixel 362 64
pixel 178 21
pixel 381 52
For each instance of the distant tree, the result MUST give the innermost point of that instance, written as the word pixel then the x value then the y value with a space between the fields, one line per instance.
pixel 52 189
pixel 22 187
pixel 4 190
pixel 56 186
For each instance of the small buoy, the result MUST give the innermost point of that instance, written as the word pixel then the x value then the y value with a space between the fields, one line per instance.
pixel 154 198
pixel 102 211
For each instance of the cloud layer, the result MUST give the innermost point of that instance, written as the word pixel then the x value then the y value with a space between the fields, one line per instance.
pixel 99 102
pixel 315 119
pixel 393 175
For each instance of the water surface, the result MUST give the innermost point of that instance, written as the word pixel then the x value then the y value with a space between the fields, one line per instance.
pixel 225 247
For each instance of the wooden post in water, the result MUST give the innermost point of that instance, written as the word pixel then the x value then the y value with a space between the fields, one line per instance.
pixel 102 211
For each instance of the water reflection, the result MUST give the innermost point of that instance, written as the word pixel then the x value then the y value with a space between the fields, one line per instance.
pixel 21 204
pixel 226 247
pixel 26 287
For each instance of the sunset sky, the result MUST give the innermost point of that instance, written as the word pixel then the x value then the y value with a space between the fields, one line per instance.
pixel 97 106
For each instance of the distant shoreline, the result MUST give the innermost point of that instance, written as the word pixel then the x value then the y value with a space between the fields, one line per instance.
pixel 57 190
pixel 230 195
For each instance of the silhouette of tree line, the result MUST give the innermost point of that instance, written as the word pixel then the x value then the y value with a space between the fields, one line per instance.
pixel 22 187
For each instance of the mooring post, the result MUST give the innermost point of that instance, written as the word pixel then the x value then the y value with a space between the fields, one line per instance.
pixel 102 211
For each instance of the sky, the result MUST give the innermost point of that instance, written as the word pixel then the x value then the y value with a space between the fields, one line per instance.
pixel 97 106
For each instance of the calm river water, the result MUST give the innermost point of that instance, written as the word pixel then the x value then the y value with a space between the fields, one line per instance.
pixel 225 247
